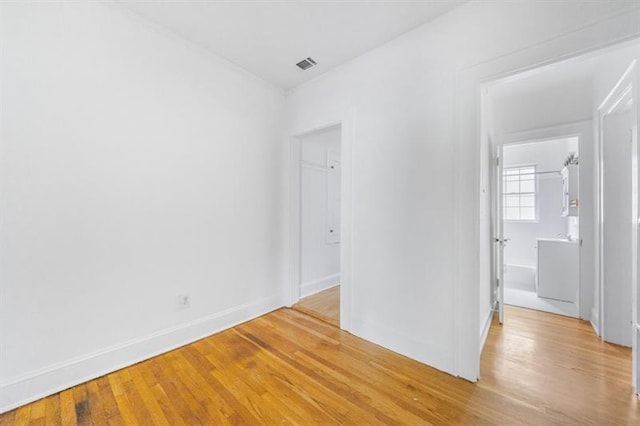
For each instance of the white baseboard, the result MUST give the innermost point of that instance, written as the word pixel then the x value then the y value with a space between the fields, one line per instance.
pixel 313 287
pixel 484 332
pixel 430 353
pixel 55 378
pixel 595 320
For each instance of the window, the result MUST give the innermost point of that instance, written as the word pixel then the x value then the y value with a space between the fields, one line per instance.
pixel 519 193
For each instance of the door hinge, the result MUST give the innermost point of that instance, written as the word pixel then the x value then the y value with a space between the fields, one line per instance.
pixel 497 161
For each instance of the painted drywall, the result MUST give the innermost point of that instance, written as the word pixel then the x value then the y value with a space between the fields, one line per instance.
pixel 136 167
pixel 617 228
pixel 319 258
pixel 546 156
pixel 411 247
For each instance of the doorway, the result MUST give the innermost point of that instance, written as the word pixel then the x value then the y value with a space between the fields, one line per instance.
pixel 597 196
pixel 540 217
pixel 320 224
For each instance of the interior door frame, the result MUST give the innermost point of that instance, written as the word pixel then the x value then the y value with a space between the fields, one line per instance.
pixel 629 79
pixel 604 109
pixel 635 247
pixel 294 255
pixel 497 193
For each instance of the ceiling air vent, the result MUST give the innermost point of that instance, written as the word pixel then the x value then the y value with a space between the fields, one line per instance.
pixel 305 64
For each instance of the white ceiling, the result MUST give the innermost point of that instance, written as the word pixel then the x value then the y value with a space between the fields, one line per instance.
pixel 268 37
pixel 559 93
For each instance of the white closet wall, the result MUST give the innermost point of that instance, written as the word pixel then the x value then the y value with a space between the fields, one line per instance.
pixel 320 210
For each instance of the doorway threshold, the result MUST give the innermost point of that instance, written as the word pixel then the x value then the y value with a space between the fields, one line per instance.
pixel 324 305
pixel 529 299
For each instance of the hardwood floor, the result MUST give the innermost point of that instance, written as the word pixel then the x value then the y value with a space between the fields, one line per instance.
pixel 324 305
pixel 288 367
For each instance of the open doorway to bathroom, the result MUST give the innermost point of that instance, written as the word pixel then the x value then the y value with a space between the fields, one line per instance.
pixel 540 224
pixel 564 207
pixel 320 233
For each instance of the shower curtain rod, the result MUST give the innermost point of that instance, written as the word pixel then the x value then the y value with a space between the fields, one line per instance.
pixel 536 173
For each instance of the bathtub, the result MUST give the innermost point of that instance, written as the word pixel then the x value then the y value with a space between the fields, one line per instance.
pixel 520 277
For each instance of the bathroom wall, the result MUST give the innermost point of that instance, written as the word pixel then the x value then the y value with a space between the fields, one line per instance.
pixel 546 156
pixel 320 254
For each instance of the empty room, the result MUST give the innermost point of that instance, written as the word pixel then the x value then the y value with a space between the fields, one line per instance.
pixel 319 212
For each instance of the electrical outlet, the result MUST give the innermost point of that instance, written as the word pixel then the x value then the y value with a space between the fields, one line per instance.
pixel 184 301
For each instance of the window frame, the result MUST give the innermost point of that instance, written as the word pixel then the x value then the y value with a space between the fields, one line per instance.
pixel 520 194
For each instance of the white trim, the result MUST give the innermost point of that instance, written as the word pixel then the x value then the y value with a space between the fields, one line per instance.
pixel 484 332
pixel 605 108
pixel 614 90
pixel 37 384
pixel 594 320
pixel 635 249
pixel 312 287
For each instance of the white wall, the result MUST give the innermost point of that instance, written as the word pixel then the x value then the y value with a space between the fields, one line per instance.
pixel 617 228
pixel 135 167
pixel 546 156
pixel 408 216
pixel 320 258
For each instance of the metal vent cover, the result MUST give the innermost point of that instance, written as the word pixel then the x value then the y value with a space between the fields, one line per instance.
pixel 305 64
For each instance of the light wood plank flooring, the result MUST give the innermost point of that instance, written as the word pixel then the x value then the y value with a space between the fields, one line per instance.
pixel 324 305
pixel 288 367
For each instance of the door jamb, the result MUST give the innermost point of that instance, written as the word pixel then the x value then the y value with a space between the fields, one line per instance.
pixel 603 110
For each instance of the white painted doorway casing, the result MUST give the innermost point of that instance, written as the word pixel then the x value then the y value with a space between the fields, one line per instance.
pixel 615 30
pixel 293 258
pixel 625 89
pixel 498 223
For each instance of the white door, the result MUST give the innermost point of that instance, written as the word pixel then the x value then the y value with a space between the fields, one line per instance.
pixel 499 240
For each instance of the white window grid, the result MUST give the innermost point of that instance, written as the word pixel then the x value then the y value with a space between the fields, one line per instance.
pixel 519 199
